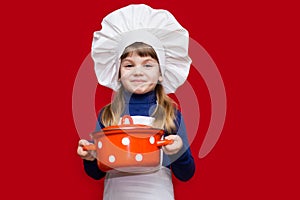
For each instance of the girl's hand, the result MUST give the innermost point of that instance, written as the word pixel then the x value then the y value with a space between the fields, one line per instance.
pixel 87 155
pixel 173 148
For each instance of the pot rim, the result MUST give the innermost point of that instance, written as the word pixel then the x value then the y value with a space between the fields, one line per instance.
pixel 128 126
pixel 128 130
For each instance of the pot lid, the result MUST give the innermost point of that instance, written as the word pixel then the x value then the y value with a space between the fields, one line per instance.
pixel 115 129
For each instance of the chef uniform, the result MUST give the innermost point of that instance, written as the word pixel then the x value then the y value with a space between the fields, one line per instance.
pixel 159 29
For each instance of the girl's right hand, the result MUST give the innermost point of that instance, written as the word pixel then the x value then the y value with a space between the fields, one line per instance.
pixel 86 155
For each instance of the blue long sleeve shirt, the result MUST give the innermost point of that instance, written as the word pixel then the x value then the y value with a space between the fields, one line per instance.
pixel 182 164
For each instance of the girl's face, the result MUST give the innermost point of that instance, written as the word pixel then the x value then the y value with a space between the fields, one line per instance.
pixel 139 75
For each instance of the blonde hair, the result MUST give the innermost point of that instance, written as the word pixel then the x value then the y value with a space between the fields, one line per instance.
pixel 164 114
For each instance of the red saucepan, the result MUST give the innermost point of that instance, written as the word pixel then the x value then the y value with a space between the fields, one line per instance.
pixel 128 147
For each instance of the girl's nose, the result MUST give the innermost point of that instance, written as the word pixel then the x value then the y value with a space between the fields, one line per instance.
pixel 138 70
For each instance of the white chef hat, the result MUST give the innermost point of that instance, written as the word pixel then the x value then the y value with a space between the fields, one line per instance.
pixel 141 23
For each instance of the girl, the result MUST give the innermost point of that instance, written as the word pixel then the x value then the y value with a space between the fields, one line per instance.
pixel 142 96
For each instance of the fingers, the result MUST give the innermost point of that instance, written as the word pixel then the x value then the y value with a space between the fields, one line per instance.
pixel 175 147
pixel 87 155
pixel 83 142
pixel 80 150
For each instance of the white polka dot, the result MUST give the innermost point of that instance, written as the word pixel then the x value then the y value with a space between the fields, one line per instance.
pixel 151 140
pixel 99 144
pixel 139 157
pixel 111 158
pixel 125 141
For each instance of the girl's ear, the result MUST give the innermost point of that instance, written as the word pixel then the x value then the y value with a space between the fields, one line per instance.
pixel 160 78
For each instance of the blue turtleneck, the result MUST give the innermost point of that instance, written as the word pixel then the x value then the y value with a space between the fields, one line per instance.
pixel 139 104
pixel 182 164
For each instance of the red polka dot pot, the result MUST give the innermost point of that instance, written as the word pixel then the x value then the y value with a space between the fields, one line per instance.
pixel 128 147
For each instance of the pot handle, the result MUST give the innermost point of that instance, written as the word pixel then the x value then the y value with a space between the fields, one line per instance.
pixel 164 142
pixel 126 117
pixel 89 147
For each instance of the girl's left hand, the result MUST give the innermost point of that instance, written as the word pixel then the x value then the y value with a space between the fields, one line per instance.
pixel 173 148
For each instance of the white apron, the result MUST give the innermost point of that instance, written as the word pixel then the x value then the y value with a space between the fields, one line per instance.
pixel 155 185
pixel 148 186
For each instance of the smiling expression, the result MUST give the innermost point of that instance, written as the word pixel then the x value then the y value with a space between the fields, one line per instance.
pixel 138 74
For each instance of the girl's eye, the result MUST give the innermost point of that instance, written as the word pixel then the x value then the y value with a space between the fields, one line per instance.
pixel 128 66
pixel 148 65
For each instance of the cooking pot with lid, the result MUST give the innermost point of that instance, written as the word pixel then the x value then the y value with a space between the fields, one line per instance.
pixel 134 148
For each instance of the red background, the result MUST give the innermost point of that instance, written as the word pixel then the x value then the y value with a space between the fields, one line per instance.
pixel 255 45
